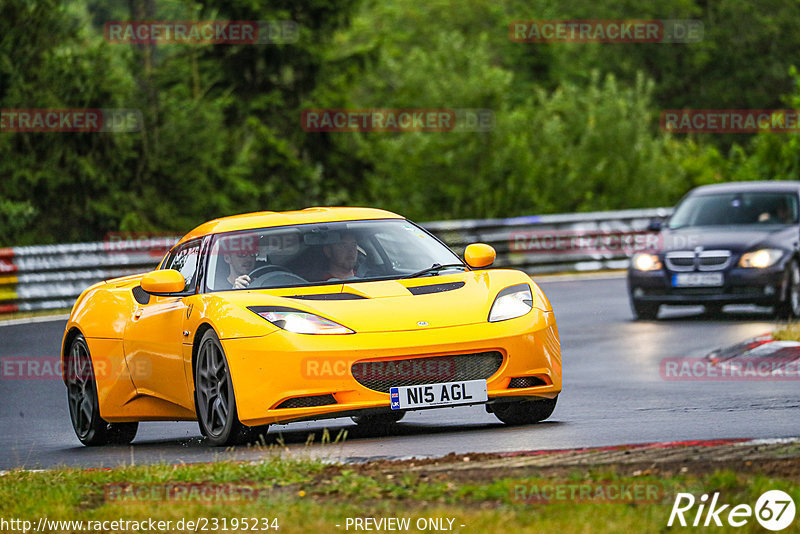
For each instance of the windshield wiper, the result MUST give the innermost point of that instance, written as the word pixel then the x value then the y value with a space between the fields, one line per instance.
pixel 435 268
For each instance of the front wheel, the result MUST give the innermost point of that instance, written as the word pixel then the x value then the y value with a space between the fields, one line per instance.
pixel 214 398
pixel 524 412
pixel 789 306
pixel 84 406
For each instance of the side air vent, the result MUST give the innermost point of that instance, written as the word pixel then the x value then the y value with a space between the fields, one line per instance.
pixel 140 295
pixel 307 402
pixel 328 296
pixel 526 382
pixel 435 288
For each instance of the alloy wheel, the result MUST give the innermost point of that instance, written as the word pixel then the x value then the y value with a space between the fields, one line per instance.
pixel 213 388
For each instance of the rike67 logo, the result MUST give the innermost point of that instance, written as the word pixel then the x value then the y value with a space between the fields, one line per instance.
pixel 774 510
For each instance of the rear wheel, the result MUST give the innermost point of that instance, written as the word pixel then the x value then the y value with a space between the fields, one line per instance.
pixel 789 307
pixel 644 310
pixel 84 407
pixel 378 419
pixel 524 412
pixel 214 398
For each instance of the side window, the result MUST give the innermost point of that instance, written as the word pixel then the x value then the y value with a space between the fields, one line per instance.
pixel 184 260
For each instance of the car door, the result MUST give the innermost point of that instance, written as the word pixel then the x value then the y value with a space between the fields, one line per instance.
pixel 154 334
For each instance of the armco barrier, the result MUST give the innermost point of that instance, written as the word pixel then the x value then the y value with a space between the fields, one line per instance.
pixel 52 276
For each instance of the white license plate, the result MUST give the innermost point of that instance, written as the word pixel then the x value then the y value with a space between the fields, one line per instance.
pixel 445 394
pixel 697 280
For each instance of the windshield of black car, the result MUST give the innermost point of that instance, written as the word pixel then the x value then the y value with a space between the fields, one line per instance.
pixel 733 209
pixel 313 254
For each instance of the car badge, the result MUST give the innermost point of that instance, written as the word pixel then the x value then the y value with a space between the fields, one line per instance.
pixel 422 323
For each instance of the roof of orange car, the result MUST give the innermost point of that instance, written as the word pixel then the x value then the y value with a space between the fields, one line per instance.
pixel 265 219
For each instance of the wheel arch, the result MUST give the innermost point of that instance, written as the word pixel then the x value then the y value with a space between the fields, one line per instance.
pixel 198 335
pixel 69 337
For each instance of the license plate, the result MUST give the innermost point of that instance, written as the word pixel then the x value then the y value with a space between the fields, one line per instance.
pixel 445 394
pixel 697 280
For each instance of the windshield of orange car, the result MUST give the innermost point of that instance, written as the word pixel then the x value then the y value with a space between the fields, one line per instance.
pixel 731 209
pixel 324 253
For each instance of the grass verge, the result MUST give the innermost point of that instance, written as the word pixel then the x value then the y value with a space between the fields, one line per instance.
pixel 311 496
pixel 33 314
pixel 788 332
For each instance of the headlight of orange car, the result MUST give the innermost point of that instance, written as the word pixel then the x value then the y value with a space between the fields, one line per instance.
pixel 298 321
pixel 513 301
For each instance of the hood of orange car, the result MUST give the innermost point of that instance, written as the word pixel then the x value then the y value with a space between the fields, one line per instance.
pixel 397 305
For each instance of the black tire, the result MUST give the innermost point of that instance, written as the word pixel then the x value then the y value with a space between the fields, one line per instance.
pixel 789 306
pixel 378 419
pixel 82 399
pixel 644 311
pixel 214 398
pixel 524 412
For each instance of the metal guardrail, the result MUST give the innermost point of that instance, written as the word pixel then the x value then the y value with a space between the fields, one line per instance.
pixel 52 276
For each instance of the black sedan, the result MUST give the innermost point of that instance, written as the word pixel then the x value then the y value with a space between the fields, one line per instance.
pixel 734 243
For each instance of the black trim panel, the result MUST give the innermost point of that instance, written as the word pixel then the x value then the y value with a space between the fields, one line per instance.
pixel 435 288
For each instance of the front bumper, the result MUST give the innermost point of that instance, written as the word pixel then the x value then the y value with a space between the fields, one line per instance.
pixel 764 287
pixel 268 370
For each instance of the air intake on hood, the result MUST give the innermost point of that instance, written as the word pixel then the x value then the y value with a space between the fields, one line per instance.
pixel 328 296
pixel 435 288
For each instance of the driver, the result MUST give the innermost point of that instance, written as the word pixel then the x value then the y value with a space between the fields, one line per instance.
pixel 240 266
pixel 781 214
pixel 342 258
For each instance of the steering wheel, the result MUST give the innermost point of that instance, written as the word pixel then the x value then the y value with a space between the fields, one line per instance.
pixel 255 273
pixel 260 273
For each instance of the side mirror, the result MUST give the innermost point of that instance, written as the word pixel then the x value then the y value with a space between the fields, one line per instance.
pixel 163 281
pixel 479 255
pixel 655 225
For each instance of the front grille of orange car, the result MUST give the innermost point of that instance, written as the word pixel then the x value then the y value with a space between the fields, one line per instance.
pixel 380 375
pixel 307 402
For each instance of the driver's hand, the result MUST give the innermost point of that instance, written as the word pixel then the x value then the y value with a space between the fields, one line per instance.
pixel 241 282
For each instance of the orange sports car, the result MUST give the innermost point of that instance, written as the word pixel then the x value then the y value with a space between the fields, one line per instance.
pixel 324 312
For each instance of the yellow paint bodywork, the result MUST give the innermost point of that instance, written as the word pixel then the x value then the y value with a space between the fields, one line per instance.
pixel 146 351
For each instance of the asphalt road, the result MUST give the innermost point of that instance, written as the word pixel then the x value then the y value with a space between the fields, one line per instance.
pixel 613 394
